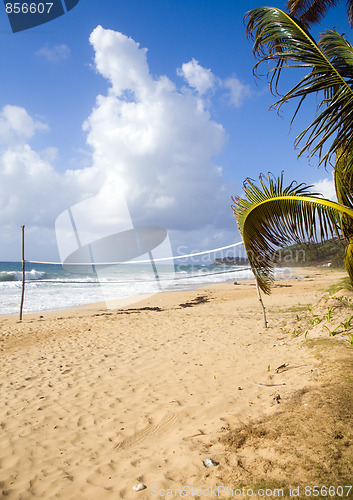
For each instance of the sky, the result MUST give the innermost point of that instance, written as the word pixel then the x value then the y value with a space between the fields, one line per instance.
pixel 153 101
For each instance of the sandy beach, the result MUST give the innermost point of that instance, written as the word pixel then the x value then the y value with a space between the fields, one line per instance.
pixel 96 401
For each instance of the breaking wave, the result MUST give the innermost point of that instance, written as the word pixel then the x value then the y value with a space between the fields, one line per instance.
pixel 17 275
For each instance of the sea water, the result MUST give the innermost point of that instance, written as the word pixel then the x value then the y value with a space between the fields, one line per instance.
pixel 51 287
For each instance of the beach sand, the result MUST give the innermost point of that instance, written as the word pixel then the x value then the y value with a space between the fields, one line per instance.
pixel 95 401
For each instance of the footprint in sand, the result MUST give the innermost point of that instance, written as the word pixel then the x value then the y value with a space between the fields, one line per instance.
pixel 8 461
pixel 149 431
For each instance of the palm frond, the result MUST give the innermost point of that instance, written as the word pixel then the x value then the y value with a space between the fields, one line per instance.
pixel 309 11
pixel 350 12
pixel 348 260
pixel 280 38
pixel 312 11
pixel 272 216
pixel 343 178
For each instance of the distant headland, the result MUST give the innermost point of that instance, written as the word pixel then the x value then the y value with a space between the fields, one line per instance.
pixel 330 253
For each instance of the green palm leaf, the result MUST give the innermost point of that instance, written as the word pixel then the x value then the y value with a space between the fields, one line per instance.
pixel 272 216
pixel 280 38
pixel 343 178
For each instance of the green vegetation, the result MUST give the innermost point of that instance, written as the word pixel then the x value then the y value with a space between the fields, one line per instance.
pixel 344 283
pixel 300 255
pixel 332 332
pixel 230 261
pixel 317 254
pixel 329 314
pixel 308 441
pixel 334 314
pixel 346 324
pixel 350 339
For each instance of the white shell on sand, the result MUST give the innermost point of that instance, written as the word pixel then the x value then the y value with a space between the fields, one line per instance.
pixel 209 462
pixel 139 487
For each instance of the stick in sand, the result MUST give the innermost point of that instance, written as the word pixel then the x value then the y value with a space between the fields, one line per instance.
pixel 262 304
pixel 23 269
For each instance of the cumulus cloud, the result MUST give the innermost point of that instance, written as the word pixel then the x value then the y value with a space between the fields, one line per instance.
pixel 153 140
pixel 201 79
pixel 121 60
pixel 327 188
pixel 237 91
pixel 56 53
pixel 20 166
pixel 204 82
pixel 17 126
pixel 149 140
pixel 31 191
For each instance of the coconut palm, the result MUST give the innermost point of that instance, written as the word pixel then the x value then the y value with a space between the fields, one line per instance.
pixel 312 11
pixel 273 215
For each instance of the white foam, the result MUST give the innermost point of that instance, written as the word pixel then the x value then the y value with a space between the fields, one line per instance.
pixel 29 275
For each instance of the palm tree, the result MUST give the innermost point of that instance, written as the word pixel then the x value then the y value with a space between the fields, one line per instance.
pixel 312 11
pixel 273 215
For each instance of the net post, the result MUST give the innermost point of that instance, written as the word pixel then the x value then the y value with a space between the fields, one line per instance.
pixel 23 269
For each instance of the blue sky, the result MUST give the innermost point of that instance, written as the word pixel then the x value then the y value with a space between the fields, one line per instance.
pixel 177 128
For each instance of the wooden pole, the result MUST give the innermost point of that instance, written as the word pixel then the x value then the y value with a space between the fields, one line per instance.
pixel 23 269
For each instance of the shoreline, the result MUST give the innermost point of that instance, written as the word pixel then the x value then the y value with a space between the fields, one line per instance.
pixel 97 401
pixel 124 302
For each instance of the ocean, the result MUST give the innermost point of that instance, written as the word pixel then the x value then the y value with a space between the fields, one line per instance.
pixel 52 287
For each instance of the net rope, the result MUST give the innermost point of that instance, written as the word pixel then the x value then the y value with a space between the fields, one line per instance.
pixel 147 261
pixel 97 282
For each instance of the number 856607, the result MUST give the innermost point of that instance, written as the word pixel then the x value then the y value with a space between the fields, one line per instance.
pixel 31 8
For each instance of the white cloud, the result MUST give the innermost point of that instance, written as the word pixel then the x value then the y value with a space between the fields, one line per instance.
pixel 154 141
pixel 327 188
pixel 148 138
pixel 56 53
pixel 120 59
pixel 205 82
pixel 201 79
pixel 49 154
pixel 16 126
pixel 31 191
pixel 237 90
